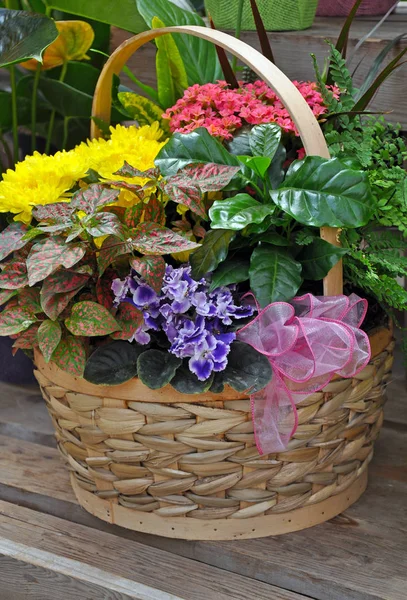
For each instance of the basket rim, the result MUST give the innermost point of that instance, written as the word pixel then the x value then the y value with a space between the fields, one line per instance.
pixel 379 338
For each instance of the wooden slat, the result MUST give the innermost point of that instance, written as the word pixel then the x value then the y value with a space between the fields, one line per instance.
pixel 292 51
pixel 59 547
pixel 358 557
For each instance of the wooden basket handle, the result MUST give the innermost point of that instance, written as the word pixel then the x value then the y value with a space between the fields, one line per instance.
pixel 308 127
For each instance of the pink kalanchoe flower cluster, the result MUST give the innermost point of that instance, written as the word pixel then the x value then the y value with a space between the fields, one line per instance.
pixel 222 110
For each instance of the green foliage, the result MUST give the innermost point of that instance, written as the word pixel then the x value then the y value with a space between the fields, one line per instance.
pixel 247 370
pixel 318 258
pixel 211 253
pixel 274 275
pixel 265 139
pixel 112 364
pixel 238 212
pixel 156 368
pixel 232 271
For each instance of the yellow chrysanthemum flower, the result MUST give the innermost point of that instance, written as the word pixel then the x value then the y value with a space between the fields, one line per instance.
pixel 42 179
pixel 39 179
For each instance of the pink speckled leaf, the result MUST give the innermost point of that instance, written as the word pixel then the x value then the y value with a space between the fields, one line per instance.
pixel 152 269
pixel 91 319
pixel 111 248
pixel 49 254
pixel 48 336
pixel 12 239
pixel 14 275
pixel 29 298
pixel 26 340
pixel 15 319
pixel 129 171
pixel 210 177
pixel 154 211
pixel 94 197
pixel 150 238
pixel 58 289
pixel 70 355
pixel 187 193
pixel 104 294
pixel 130 319
pixel 59 211
pixel 6 295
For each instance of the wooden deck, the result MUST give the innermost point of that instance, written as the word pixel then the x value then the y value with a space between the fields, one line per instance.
pixel 50 548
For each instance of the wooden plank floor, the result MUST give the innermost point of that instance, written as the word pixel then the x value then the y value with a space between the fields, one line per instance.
pixel 51 548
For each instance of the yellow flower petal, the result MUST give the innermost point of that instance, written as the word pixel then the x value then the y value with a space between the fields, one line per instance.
pixel 74 40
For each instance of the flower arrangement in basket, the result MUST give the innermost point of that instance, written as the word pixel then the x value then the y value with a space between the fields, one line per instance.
pixel 181 262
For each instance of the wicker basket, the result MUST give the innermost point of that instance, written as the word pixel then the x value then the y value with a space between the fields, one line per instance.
pixel 277 15
pixel 341 8
pixel 187 466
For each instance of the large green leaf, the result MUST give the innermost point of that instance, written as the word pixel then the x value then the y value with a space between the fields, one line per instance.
pixel 318 258
pixel 232 271
pixel 171 75
pixel 24 35
pixel 238 212
pixel 212 251
pixel 196 147
pixel 264 139
pixel 112 364
pixel 325 192
pixel 79 75
pixel 199 56
pixel 274 275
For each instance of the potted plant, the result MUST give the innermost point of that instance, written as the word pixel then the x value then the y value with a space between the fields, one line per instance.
pixel 162 280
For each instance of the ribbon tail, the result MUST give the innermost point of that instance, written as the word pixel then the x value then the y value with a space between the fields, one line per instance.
pixel 275 416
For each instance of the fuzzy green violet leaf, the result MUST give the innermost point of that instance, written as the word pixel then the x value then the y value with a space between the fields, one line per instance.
pixel 24 35
pixel 264 139
pixel 48 336
pixel 238 212
pixel 156 368
pixel 233 271
pixel 186 382
pixel 318 258
pixel 151 238
pixel 130 319
pixel 15 319
pixel 91 319
pixel 47 255
pixel 113 363
pixel 247 370
pixel 211 252
pixel 12 238
pixel 199 146
pixel 13 275
pixel 324 192
pixel 70 355
pixel 152 269
pixel 274 275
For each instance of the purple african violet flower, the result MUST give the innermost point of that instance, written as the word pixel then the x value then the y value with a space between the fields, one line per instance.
pixel 195 321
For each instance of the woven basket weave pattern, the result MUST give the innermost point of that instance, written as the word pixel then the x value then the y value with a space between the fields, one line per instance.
pixel 341 8
pixel 277 15
pixel 199 459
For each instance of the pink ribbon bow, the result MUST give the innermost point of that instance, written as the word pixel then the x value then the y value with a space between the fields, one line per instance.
pixel 307 342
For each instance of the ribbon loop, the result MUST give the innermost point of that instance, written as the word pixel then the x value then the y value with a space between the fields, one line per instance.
pixel 307 342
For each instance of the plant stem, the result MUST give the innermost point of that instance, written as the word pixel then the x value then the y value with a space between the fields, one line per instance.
pixel 238 30
pixel 14 112
pixel 52 117
pixel 34 108
pixel 7 149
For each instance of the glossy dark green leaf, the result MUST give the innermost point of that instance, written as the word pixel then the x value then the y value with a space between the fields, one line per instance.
pixel 318 258
pixel 156 368
pixel 196 147
pixel 113 364
pixel 79 75
pixel 264 139
pixel 247 370
pixel 186 382
pixel 199 56
pixel 211 253
pixel 24 35
pixel 238 212
pixel 258 164
pixel 324 192
pixel 274 275
pixel 232 271
pixel 276 171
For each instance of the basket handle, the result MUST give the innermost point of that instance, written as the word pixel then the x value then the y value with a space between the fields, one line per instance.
pixel 308 127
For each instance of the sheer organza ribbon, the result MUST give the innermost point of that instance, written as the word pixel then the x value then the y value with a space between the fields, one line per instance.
pixel 307 342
